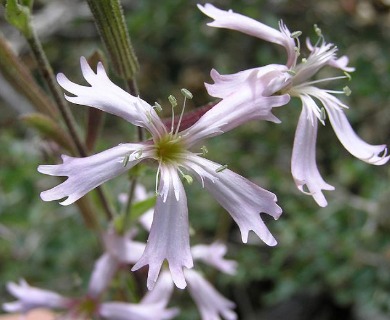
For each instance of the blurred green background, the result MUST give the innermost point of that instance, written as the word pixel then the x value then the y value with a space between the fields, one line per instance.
pixel 330 263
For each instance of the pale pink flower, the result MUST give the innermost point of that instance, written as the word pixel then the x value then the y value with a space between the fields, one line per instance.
pixel 293 79
pixel 120 250
pixel 209 301
pixel 169 235
pixel 213 255
pixel 31 298
pixel 129 311
pixel 152 306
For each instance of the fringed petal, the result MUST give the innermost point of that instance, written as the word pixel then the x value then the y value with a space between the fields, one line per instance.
pixel 303 163
pixel 85 174
pixel 372 154
pixel 213 255
pixel 210 302
pixel 169 235
pixel 243 199
pixel 235 21
pixel 104 95
pixel 161 292
pixel 31 298
pixel 247 102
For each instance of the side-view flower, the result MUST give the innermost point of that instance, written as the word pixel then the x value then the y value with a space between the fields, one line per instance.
pixel 294 79
pixel 169 148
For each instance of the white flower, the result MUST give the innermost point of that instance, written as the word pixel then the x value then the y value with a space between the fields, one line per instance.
pixel 128 311
pixel 169 235
pixel 293 79
pixel 213 255
pixel 119 250
pixel 30 298
pixel 210 302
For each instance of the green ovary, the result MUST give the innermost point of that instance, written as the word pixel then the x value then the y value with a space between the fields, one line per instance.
pixel 169 148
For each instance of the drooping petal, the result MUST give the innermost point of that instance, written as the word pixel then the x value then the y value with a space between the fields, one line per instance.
pixel 129 311
pixel 210 302
pixel 244 104
pixel 161 292
pixel 103 94
pixel 123 248
pixel 213 255
pixel 342 64
pixel 373 154
pixel 30 298
pixel 85 174
pixel 241 23
pixel 102 274
pixel 169 235
pixel 243 199
pixel 303 163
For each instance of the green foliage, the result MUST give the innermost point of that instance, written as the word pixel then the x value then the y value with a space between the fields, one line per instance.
pixel 19 15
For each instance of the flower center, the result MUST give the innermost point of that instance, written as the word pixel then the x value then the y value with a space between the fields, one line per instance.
pixel 169 148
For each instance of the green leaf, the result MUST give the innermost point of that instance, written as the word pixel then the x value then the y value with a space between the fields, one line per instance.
pixel 19 16
pixel 140 207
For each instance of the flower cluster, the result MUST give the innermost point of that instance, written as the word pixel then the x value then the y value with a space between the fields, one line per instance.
pixel 175 152
pixel 294 79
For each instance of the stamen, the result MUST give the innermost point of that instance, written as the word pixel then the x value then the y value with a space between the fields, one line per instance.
pixel 347 91
pixel 204 150
pixel 157 106
pixel 349 77
pixel 187 177
pixel 126 160
pixel 221 168
pixel 317 30
pixel 296 34
pixel 291 72
pixel 138 154
pixel 322 114
pixel 319 80
pixel 173 102
pixel 187 94
pixel 157 178
pixel 304 60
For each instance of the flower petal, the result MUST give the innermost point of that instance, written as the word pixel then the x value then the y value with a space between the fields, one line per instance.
pixel 238 22
pixel 129 311
pixel 122 248
pixel 303 163
pixel 209 301
pixel 243 199
pixel 169 235
pixel 103 94
pixel 85 174
pixel 30 298
pixel 102 274
pixel 373 154
pixel 244 104
pixel 213 255
pixel 161 292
